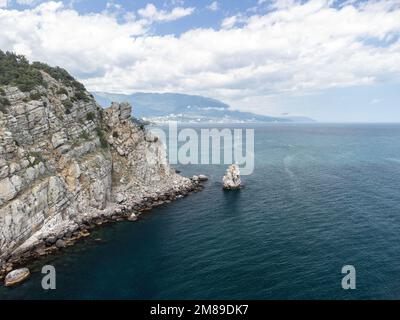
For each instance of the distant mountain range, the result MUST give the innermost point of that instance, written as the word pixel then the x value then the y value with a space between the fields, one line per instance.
pixel 163 107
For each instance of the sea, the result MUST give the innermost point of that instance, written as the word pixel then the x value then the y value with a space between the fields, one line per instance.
pixel 321 197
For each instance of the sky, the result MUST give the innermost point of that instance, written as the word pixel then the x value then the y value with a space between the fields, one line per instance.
pixel 331 60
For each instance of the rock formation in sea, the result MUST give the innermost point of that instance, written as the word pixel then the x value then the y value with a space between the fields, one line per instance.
pixel 67 164
pixel 231 179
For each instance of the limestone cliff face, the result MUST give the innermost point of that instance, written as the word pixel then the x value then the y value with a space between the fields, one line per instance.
pixel 64 161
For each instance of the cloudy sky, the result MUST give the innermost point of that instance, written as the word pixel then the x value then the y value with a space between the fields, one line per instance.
pixel 333 60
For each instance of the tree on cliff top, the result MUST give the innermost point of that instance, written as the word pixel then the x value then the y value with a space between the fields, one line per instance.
pixel 16 70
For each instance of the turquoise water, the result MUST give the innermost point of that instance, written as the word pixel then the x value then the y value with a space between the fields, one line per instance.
pixel 321 196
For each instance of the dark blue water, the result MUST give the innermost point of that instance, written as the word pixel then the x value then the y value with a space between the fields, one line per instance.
pixel 321 196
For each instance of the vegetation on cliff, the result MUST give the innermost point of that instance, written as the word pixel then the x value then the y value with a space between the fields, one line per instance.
pixel 4 102
pixel 15 70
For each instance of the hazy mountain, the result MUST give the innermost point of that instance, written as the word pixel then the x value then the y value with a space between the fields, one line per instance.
pixel 161 107
pixel 299 119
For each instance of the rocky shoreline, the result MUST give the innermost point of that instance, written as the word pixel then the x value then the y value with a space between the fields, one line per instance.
pixel 130 210
pixel 67 165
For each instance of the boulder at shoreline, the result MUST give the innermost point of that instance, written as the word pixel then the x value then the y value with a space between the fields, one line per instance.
pixel 16 276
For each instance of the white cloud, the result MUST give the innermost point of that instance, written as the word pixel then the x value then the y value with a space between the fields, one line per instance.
pixel 214 6
pixel 151 13
pixel 113 5
pixel 3 3
pixel 84 44
pixel 25 2
pixel 292 50
pixel 233 21
pixel 177 2
pixel 229 22
pixel 281 4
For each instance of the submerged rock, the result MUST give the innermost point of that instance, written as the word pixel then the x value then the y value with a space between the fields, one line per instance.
pixel 16 276
pixel 231 179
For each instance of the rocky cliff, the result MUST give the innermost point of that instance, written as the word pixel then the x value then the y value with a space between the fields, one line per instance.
pixel 65 163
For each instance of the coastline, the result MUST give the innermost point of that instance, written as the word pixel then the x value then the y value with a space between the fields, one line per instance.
pixel 67 165
pixel 116 213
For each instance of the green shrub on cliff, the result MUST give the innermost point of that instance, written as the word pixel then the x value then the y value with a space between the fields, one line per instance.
pixel 35 96
pixel 90 116
pixel 4 103
pixel 62 91
pixel 84 135
pixel 81 95
pixel 68 106
pixel 102 138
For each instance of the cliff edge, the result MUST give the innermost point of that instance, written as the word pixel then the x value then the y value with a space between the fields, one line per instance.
pixel 66 162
